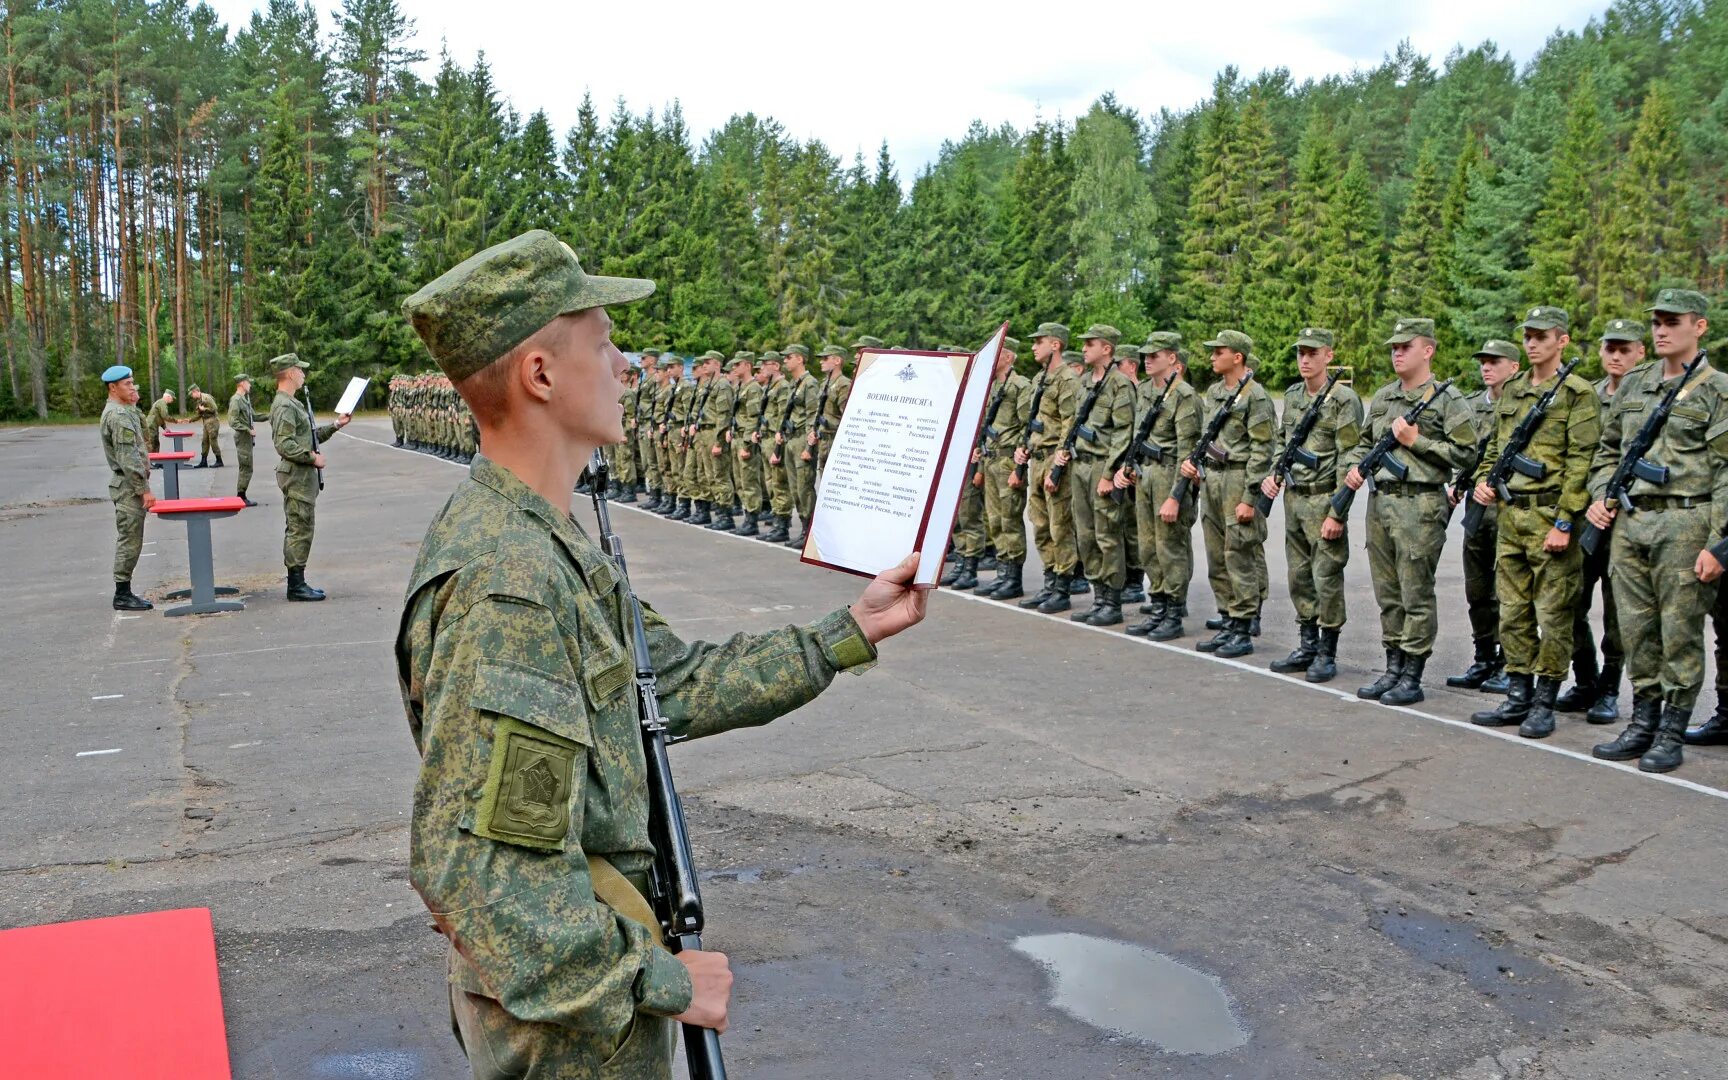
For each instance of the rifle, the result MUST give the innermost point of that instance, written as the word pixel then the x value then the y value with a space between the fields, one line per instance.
pixel 1462 482
pixel 1140 450
pixel 1033 425
pixel 1078 429
pixel 312 422
pixel 995 407
pixel 1184 489
pixel 1512 459
pixel 698 406
pixel 1633 464
pixel 1381 456
pixel 672 886
pixel 816 423
pixel 1294 454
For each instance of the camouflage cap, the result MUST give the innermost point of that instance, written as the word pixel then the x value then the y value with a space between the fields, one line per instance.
pixel 744 354
pixel 243 377
pixel 1234 340
pixel 951 348
pixel 1495 349
pixel 742 360
pixel 670 361
pixel 1102 332
pixel 865 341
pixel 772 356
pixel 712 354
pixel 1125 351
pixel 799 350
pixel 1546 318
pixel 1315 337
pixel 1410 329
pixel 1623 330
pixel 651 353
pixel 1053 330
pixel 1072 357
pixel 1680 302
pixel 279 364
pixel 835 350
pixel 490 302
pixel 1012 344
pixel 1161 341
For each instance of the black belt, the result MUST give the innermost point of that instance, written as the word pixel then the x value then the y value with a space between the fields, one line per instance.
pixel 1406 488
pixel 1659 503
pixel 1533 500
pixel 1229 466
pixel 1312 489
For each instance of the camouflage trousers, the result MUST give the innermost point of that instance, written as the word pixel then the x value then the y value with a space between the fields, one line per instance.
pixel 1537 592
pixel 672 471
pixel 1406 533
pixel 777 477
pixel 624 462
pixel 501 1047
pixel 714 470
pixel 153 438
pixel 1004 509
pixel 1316 566
pixel 694 477
pixel 1098 522
pixel 299 485
pixel 242 459
pixel 1594 573
pixel 969 536
pixel 1052 518
pixel 800 479
pixel 1235 552
pixel 1661 602
pixel 128 529
pixel 1479 595
pixel 209 444
pixel 747 474
pixel 1166 550
pixel 648 454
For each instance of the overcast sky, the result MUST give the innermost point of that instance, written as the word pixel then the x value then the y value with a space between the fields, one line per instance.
pixel 914 72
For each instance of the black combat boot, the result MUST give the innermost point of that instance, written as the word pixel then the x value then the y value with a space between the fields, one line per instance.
pixel 1584 689
pixel 699 514
pixel 1712 732
pixel 1639 734
pixel 1057 601
pixel 951 572
pixel 721 520
pixel 1134 592
pixel 1226 631
pixel 219 464
pixel 1668 752
pixel 775 533
pixel 1241 642
pixel 1388 679
pixel 1500 682
pixel 1008 585
pixel 246 498
pixel 202 463
pixel 680 510
pixel 797 541
pixel 1307 647
pixel 1254 624
pixel 989 562
pixel 1408 690
pixel 297 587
pixel 1169 628
pixel 968 578
pixel 125 600
pixel 1078 585
pixel 1154 609
pixel 1325 665
pixel 1540 723
pixel 1109 609
pixel 1218 623
pixel 1097 602
pixel 626 492
pixel 748 526
pixel 1606 710
pixel 1515 709
pixel 1484 666
pixel 1037 599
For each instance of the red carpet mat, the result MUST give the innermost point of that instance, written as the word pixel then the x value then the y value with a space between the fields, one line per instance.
pixel 128 998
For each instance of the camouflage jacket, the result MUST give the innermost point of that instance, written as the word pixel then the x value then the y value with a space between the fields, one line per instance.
pixel 1056 408
pixel 1446 436
pixel 1693 443
pixel 291 431
pixel 240 416
pixel 1178 426
pixel 838 390
pixel 123 446
pixel 1565 441
pixel 1111 420
pixel 161 414
pixel 1010 421
pixel 1249 437
pixel 517 684
pixel 1337 430
pixel 805 393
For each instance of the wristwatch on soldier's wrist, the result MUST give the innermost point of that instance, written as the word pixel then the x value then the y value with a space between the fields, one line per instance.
pixel 1563 525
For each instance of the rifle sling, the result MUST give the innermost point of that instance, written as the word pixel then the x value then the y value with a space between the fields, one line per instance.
pixel 623 895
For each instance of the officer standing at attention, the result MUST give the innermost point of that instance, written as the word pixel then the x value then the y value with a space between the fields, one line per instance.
pixel 240 419
pixel 1005 504
pixel 1057 390
pixel 800 457
pixel 1497 361
pixel 297 474
pixel 1316 542
pixel 1099 441
pixel 1407 518
pixel 1536 562
pixel 128 481
pixel 204 407
pixel 836 388
pixel 511 661
pixel 1665 579
pixel 1165 527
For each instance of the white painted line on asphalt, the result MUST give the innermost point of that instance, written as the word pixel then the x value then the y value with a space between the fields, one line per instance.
pixel 251 652
pixel 106 697
pixel 97 753
pixel 242 745
pixel 146 554
pixel 123 618
pixel 1624 768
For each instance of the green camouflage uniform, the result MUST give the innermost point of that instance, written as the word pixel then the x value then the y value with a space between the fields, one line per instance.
pixel 1167 551
pixel 1244 448
pixel 1537 590
pixel 159 417
pixel 240 419
pixel 1478 551
pixel 1407 520
pixel 801 474
pixel 1595 571
pixel 128 480
pixel 695 475
pixel 1098 519
pixel 641 430
pixel 716 421
pixel 747 471
pixel 1316 566
pixel 777 402
pixel 834 395
pixel 1052 511
pixel 1661 602
pixel 291 431
pixel 1004 505
pixel 205 407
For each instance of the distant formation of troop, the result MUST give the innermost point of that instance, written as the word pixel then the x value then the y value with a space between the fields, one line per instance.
pixel 428 415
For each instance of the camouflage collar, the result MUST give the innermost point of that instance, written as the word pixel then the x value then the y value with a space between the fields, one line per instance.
pixel 510 487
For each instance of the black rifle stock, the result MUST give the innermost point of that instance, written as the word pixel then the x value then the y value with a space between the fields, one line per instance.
pixel 1512 459
pixel 1381 456
pixel 673 889
pixel 1294 453
pixel 1634 465
pixel 1184 488
pixel 1078 429
pixel 312 422
pixel 1140 449
pixel 1033 426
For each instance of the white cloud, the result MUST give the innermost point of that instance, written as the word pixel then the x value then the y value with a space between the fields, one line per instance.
pixel 915 73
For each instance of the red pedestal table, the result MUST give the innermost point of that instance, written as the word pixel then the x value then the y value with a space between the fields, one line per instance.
pixel 198 514
pixel 170 464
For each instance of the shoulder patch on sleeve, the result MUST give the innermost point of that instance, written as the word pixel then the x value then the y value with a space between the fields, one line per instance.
pixel 538 741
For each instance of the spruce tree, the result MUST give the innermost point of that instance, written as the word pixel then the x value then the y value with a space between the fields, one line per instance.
pixel 1416 285
pixel 1563 261
pixel 1207 297
pixel 1347 287
pixel 1115 249
pixel 1646 241
pixel 1313 189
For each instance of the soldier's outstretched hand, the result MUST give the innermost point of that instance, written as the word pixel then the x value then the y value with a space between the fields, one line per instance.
pixel 890 604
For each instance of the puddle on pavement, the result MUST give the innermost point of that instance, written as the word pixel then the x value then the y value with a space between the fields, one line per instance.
pixel 1137 993
pixel 749 875
pixel 369 1065
pixel 1522 985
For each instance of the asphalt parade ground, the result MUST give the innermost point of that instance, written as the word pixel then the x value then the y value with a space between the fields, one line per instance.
pixel 1352 890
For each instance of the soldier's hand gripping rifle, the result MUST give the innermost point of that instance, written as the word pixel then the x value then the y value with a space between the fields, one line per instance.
pixel 1141 449
pixel 1078 429
pixel 312 422
pixel 673 890
pixel 1184 488
pixel 1382 457
pixel 1295 453
pixel 1033 427
pixel 697 408
pixel 1633 464
pixel 1512 459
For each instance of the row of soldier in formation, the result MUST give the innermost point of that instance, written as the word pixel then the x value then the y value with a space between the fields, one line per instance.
pixel 1113 456
pixel 427 414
